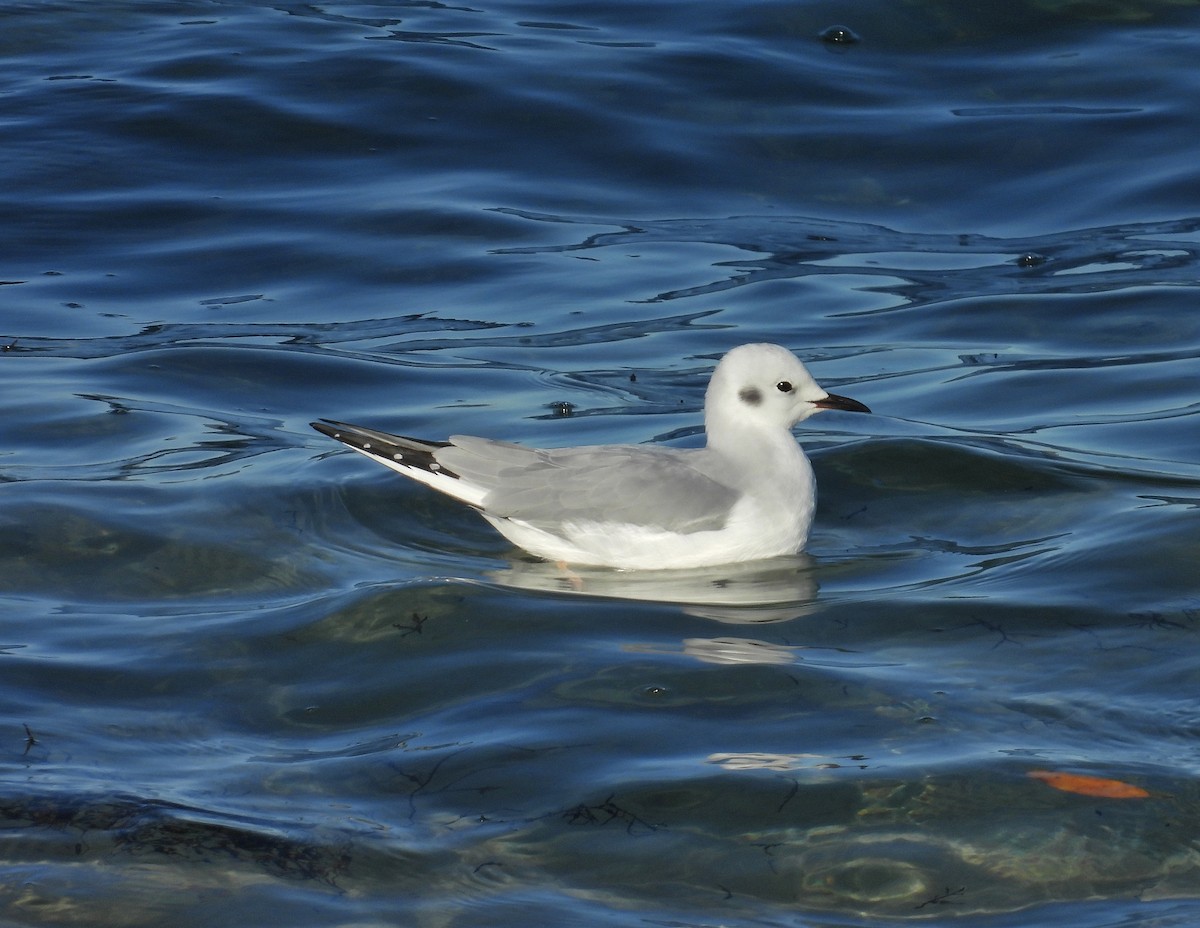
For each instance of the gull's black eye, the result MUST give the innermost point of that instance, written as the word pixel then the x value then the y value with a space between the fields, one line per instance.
pixel 784 386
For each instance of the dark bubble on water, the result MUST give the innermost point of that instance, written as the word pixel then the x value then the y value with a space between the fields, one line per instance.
pixel 839 35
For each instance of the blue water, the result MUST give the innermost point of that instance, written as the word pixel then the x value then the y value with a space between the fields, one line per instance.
pixel 247 677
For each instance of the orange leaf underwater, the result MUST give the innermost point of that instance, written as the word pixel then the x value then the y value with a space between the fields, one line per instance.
pixel 1089 786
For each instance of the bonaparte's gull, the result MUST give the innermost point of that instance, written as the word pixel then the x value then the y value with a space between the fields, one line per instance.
pixel 748 494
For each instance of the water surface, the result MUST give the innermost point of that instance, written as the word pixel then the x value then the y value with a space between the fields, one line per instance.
pixel 247 676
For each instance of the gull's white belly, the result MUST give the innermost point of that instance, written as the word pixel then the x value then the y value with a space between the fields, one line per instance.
pixel 754 530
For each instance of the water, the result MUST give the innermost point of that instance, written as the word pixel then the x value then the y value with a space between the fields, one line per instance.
pixel 246 677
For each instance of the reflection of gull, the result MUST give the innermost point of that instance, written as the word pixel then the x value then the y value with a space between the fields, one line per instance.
pixel 760 760
pixel 748 494
pixel 739 651
pixel 771 590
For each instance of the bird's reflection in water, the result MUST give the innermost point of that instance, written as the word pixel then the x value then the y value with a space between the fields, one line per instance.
pixel 730 650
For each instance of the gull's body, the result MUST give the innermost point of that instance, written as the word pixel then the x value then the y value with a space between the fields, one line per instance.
pixel 748 494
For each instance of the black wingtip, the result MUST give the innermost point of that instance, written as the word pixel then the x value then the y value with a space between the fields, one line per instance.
pixel 380 445
pixel 327 427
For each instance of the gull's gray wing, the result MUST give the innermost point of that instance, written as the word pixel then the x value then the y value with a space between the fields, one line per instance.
pixel 660 488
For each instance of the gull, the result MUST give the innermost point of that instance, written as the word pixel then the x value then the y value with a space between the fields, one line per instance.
pixel 748 494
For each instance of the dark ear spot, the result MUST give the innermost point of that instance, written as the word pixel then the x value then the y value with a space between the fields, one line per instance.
pixel 751 396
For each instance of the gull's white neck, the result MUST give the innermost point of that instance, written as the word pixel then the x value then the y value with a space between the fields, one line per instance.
pixel 757 450
pixel 777 482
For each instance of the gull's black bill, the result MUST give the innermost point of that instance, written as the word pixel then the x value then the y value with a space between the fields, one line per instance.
pixel 844 403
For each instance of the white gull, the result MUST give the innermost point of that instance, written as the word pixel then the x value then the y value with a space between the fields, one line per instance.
pixel 748 494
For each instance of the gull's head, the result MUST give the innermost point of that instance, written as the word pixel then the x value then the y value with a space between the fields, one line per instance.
pixel 764 385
